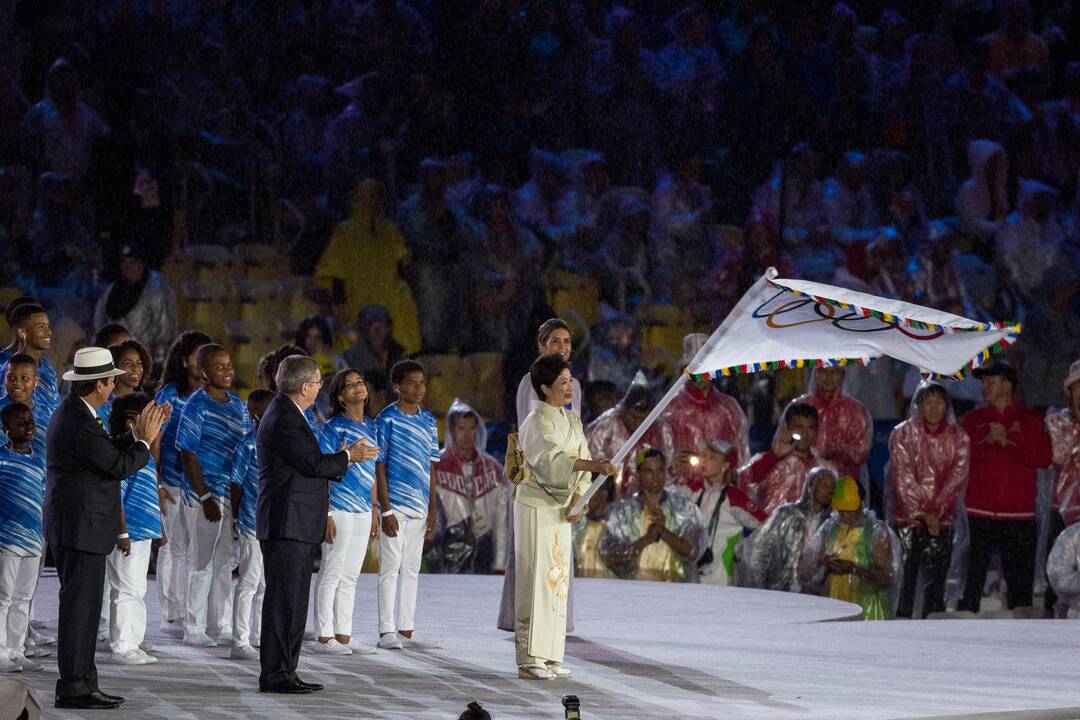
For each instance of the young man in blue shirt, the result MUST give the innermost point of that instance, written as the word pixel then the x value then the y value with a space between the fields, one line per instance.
pixel 22 493
pixel 250 584
pixel 409 448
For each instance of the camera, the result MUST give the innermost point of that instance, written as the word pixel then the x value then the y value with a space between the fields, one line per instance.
pixel 572 707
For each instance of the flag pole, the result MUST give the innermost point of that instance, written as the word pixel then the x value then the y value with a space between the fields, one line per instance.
pixel 620 456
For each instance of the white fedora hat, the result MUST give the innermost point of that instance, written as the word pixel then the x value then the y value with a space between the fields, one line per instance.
pixel 92 363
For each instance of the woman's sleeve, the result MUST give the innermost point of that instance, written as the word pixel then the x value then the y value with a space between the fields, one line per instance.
pixel 545 456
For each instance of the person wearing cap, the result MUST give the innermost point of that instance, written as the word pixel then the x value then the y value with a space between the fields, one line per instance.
pixel 140 300
pixel 845 429
pixel 776 476
pixel 613 428
pixel 1009 445
pixel 728 513
pixel 700 413
pixel 82 514
pixel 34 337
pixel 1063 426
pixel 853 556
pixel 929 460
pixel 657 533
pixel 770 556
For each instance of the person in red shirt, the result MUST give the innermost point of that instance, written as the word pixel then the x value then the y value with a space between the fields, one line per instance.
pixel 845 430
pixel 776 477
pixel 701 414
pixel 1009 445
pixel 928 469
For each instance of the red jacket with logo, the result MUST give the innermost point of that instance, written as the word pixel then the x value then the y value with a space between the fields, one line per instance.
pixel 1002 484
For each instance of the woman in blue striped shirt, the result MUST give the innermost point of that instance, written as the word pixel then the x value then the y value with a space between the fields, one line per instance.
pixel 351 523
pixel 181 378
pixel 128 563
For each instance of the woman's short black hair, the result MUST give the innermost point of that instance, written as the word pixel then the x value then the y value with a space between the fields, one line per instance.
pixel 124 408
pixel 319 323
pixel 545 371
pixel 932 388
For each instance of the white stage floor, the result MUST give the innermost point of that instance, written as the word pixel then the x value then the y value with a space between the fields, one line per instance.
pixel 641 650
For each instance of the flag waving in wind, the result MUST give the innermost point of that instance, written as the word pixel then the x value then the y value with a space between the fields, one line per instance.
pixel 782 323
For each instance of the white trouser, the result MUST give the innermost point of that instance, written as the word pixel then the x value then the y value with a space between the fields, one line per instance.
pixel 248 597
pixel 210 566
pixel 41 566
pixel 341 563
pixel 172 558
pixel 399 573
pixel 127 592
pixel 18 576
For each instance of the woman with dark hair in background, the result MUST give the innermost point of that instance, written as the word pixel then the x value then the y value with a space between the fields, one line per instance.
pixel 141 301
pixel 181 378
pixel 135 361
pixel 375 349
pixel 315 338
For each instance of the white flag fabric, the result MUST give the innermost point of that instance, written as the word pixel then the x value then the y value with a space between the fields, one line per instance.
pixel 782 323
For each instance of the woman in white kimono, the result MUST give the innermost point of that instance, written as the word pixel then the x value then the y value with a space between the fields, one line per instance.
pixel 559 465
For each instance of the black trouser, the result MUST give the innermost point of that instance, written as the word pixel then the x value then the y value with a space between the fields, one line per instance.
pixel 287 565
pixel 1015 541
pixel 931 553
pixel 82 582
pixel 1057 526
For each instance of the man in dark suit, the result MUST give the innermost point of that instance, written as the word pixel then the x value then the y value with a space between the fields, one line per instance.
pixel 294 501
pixel 82 514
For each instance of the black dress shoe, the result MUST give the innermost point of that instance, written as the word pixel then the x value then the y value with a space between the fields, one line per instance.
pixel 287 688
pixel 89 701
pixel 315 687
pixel 107 696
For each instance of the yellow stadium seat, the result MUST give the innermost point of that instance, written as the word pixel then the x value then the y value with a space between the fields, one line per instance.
pixel 484 374
pixel 663 328
pixel 573 296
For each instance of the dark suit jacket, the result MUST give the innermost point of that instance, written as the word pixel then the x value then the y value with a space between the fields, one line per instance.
pixel 293 473
pixel 85 467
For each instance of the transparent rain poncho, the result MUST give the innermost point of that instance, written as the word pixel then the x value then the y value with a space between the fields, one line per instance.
pixel 869 544
pixel 626 523
pixel 845 425
pixel 769 558
pixel 1063 569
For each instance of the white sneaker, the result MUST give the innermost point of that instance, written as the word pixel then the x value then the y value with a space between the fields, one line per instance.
pixel 147 647
pixel 243 652
pixel 390 641
pixel 132 657
pixel 9 666
pixel 172 629
pixel 333 647
pixel 199 640
pixel 418 643
pixel 150 659
pixel 359 648
pixel 224 637
pixel 27 664
pixel 40 638
pixel 32 650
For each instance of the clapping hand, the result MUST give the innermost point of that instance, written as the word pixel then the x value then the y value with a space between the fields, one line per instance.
pixel 151 420
pixel 998 435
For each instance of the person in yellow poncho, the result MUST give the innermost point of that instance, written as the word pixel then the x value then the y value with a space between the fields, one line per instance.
pixel 853 556
pixel 366 254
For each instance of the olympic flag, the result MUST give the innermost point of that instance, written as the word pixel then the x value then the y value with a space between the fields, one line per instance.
pixel 782 323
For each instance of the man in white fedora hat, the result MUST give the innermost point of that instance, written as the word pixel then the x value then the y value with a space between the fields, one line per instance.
pixel 701 414
pixel 1063 427
pixel 82 514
